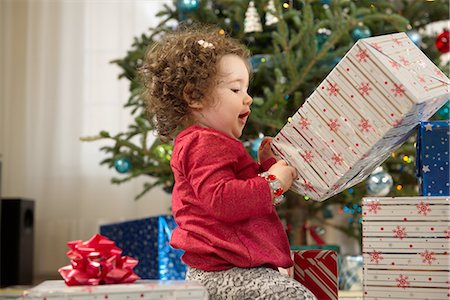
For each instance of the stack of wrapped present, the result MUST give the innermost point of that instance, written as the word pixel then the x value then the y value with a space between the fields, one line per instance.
pixel 406 240
pixel 364 110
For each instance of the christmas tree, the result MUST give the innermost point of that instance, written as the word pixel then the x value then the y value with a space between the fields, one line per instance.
pixel 299 44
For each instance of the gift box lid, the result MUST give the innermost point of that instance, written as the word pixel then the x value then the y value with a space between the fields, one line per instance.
pixel 365 108
pixel 143 289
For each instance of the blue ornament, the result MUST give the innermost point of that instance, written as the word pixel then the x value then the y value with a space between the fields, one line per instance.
pixel 325 2
pixel 444 112
pixel 258 60
pixel 379 183
pixel 327 212
pixel 322 36
pixel 255 146
pixel 415 37
pixel 188 5
pixel 122 165
pixel 361 32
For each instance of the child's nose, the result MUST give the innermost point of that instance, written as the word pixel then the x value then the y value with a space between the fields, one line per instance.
pixel 248 100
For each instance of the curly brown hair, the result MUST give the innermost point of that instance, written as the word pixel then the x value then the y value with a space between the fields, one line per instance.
pixel 178 71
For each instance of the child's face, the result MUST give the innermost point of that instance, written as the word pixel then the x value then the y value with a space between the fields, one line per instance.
pixel 231 107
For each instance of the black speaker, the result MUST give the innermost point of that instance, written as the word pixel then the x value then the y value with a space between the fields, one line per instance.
pixel 17 242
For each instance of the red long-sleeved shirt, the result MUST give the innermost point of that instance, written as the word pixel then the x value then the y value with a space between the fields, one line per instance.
pixel 224 210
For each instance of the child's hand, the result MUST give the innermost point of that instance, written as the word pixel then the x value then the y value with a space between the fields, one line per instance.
pixel 265 151
pixel 284 173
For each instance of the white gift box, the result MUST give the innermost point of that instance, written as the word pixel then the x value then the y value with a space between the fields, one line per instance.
pixel 406 247
pixel 364 109
pixel 141 290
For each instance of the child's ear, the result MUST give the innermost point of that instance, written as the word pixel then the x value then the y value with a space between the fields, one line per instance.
pixel 195 104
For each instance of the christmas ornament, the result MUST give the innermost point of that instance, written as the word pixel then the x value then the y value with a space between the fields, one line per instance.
pixel 325 2
pixel 122 165
pixel 252 22
pixel 442 42
pixel 163 151
pixel 415 37
pixel 322 36
pixel 188 5
pixel 327 212
pixel 255 145
pixel 361 32
pixel 260 59
pixel 443 112
pixel 379 183
pixel 270 17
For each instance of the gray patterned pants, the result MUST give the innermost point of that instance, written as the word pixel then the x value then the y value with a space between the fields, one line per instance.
pixel 254 283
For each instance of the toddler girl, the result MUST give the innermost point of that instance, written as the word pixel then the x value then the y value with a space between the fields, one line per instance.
pixel 223 201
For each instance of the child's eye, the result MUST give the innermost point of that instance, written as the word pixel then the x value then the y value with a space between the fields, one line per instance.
pixel 235 91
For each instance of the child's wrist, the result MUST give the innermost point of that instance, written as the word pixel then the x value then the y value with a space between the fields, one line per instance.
pixel 275 186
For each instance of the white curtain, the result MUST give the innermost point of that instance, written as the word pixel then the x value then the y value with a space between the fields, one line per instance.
pixel 56 85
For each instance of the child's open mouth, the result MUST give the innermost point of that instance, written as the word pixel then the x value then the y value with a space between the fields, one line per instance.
pixel 244 115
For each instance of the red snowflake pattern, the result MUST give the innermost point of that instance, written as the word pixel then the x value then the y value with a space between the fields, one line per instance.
pixel 377 47
pixel 364 125
pixel 304 123
pixel 397 122
pixel 423 208
pixel 421 78
pixel 362 55
pixel 375 256
pixel 428 257
pixel 398 90
pixel 447 232
pixel 364 88
pixel 307 156
pixel 334 125
pixel 402 281
pixel 308 186
pixel 374 206
pixel 399 232
pixel 404 61
pixel 439 73
pixel 337 158
pixel 333 89
pixel 397 41
pixel 394 64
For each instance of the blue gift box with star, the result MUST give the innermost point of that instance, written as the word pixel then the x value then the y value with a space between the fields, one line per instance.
pixel 432 162
pixel 147 240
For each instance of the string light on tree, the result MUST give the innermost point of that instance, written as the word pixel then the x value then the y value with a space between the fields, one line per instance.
pixel 258 60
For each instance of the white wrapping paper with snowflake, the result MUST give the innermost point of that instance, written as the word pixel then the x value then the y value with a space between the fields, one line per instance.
pixel 406 247
pixel 365 108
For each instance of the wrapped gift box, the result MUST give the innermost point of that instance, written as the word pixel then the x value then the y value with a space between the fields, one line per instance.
pixel 406 248
pixel 147 240
pixel 364 109
pixel 141 290
pixel 317 270
pixel 350 272
pixel 433 159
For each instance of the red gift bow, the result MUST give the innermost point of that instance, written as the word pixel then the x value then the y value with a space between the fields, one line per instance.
pixel 97 261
